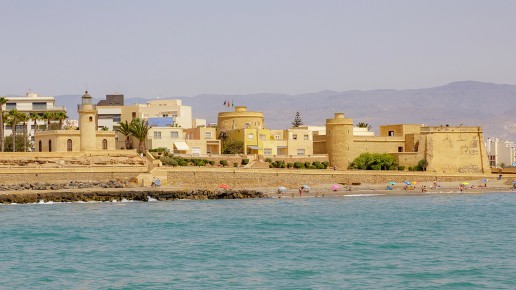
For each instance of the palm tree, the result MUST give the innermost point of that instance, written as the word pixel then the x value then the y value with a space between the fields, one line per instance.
pixel 60 116
pixel 24 118
pixel 13 121
pixel 140 129
pixel 125 129
pixel 3 101
pixel 48 116
pixel 364 125
pixel 35 117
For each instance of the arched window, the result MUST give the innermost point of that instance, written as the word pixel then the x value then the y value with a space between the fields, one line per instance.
pixel 91 119
pixel 69 145
pixel 40 146
pixel 49 145
pixel 104 144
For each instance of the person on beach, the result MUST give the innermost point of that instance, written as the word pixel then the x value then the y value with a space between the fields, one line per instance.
pixel 300 191
pixel 158 182
pixel 153 182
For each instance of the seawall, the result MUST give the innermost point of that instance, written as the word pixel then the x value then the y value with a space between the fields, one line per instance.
pixel 136 194
pixel 258 178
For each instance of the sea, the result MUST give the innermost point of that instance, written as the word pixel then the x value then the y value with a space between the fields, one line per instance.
pixel 431 241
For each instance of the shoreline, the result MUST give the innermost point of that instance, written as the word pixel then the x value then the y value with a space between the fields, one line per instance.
pixel 144 194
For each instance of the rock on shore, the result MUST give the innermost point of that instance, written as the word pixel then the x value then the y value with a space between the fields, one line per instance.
pixel 136 194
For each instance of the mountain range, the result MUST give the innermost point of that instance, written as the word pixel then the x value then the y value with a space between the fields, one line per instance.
pixel 491 106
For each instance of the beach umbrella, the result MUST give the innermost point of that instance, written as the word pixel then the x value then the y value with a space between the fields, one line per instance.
pixel 224 186
pixel 465 183
pixel 282 189
pixel 305 187
pixel 392 183
pixel 407 182
pixel 485 180
pixel 514 182
pixel 335 187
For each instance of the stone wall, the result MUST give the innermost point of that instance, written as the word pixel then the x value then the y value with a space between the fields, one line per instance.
pixel 63 177
pixel 246 178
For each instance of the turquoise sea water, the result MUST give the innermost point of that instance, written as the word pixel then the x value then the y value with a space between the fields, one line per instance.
pixel 373 242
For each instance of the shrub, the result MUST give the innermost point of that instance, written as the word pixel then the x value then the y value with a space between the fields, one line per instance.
pixel 376 167
pixel 422 164
pixel 317 164
pixel 235 164
pixel 326 164
pixel 410 168
pixel 268 160
pixel 223 162
pixel 290 165
pixel 299 165
pixel 312 167
pixel 401 168
pixel 245 161
pixel 321 166
pixel 183 163
pixel 211 162
pixel 307 164
pixel 371 161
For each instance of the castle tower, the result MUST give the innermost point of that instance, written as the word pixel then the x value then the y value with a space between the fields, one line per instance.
pixel 339 140
pixel 239 119
pixel 87 123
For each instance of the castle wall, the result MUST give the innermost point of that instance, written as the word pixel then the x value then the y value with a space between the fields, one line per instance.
pixel 239 119
pixel 455 149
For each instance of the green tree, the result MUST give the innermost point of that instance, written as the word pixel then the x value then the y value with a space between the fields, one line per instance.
pixel 297 120
pixel 48 117
pixel 24 118
pixel 61 117
pixel 12 120
pixel 374 161
pixel 19 144
pixel 140 129
pixel 364 125
pixel 3 101
pixel 233 147
pixel 35 117
pixel 125 129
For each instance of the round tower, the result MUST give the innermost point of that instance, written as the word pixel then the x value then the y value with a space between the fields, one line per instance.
pixel 87 123
pixel 239 119
pixel 339 140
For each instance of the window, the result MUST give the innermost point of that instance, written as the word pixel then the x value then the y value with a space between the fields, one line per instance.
pixel 116 118
pixel 40 146
pixel 305 137
pixel 174 135
pixel 391 133
pixel 300 151
pixel 91 119
pixel 262 136
pixel 10 106
pixel 251 136
pixel 49 145
pixel 104 144
pixel 294 136
pixel 157 134
pixel 267 151
pixel 400 149
pixel 277 137
pixel 207 135
pixel 133 115
pixel 69 145
pixel 39 106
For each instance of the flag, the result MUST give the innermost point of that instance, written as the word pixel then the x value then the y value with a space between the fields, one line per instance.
pixel 229 103
pixel 224 102
pixel 233 104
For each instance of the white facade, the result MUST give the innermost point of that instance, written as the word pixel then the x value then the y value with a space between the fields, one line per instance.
pixel 108 117
pixel 31 103
pixel 167 108
pixel 500 152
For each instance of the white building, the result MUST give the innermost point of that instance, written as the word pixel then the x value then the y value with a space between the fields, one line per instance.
pixel 501 152
pixel 31 103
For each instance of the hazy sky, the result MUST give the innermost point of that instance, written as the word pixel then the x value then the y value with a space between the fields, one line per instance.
pixel 185 48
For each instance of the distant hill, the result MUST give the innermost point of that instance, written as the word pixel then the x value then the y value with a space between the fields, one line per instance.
pixel 492 106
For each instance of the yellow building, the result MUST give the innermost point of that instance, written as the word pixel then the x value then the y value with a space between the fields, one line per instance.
pixel 87 138
pixel 248 128
pixel 446 149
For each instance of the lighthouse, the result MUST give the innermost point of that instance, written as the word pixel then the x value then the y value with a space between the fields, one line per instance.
pixel 87 123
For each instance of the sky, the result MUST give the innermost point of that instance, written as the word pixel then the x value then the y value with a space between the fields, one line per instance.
pixel 185 48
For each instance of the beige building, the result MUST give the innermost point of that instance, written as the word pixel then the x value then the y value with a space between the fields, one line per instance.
pixel 248 127
pixel 446 149
pixel 87 138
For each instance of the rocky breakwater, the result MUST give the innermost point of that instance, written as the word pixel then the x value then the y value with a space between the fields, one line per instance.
pixel 58 193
